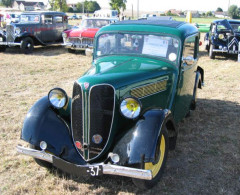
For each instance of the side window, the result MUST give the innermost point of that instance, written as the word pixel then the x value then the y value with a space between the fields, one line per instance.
pixel 48 19
pixel 58 19
pixel 191 47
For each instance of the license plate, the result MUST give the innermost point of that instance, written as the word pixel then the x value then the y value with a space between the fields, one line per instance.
pixel 95 170
pixel 1 39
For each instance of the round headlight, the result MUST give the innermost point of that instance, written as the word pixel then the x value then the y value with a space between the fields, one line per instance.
pixel 130 108
pixel 64 35
pixel 17 30
pixel 221 36
pixel 58 98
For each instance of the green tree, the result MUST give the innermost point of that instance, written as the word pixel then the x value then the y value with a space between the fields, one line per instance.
pixel 219 9
pixel 79 7
pixel 209 13
pixel 60 5
pixel 233 11
pixel 118 4
pixel 7 3
pixel 92 6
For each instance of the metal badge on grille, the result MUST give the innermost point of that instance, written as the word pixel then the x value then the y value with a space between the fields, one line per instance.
pixel 97 139
pixel 86 85
pixel 78 145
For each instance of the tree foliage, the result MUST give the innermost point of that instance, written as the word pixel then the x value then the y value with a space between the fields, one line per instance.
pixel 89 6
pixel 59 5
pixel 7 3
pixel 233 11
pixel 118 4
pixel 219 9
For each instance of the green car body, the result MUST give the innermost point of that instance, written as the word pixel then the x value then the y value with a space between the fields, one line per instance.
pixel 122 116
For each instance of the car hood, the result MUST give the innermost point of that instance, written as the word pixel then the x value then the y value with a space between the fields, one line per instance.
pixel 122 71
pixel 83 32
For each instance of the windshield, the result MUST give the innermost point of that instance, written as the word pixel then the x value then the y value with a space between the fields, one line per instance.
pixel 138 44
pixel 235 27
pixel 93 23
pixel 30 18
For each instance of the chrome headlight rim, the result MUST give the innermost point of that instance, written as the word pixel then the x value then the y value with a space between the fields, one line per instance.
pixel 64 35
pixel 17 31
pixel 64 94
pixel 138 113
pixel 221 36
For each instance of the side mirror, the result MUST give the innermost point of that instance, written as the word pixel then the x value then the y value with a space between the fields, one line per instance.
pixel 189 60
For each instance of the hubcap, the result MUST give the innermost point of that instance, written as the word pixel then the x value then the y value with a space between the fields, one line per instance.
pixel 155 168
pixel 28 45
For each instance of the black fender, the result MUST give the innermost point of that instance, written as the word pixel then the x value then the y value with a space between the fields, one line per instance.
pixel 138 145
pixel 23 35
pixel 42 123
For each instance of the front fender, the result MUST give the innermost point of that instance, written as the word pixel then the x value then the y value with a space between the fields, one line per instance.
pixel 43 124
pixel 139 143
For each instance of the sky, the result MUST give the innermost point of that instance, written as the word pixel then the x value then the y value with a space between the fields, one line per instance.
pixel 162 5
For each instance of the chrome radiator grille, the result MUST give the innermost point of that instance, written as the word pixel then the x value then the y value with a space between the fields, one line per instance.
pixel 84 41
pixel 92 115
pixel 10 33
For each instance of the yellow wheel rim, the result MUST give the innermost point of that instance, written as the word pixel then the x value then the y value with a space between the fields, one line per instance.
pixel 155 168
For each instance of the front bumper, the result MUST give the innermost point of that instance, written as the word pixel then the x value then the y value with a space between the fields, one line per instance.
pixel 88 169
pixel 77 46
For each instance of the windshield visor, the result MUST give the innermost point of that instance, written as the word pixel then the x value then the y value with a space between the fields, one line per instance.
pixel 138 44
pixel 30 18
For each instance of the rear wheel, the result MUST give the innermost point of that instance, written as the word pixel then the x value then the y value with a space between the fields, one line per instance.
pixel 211 52
pixel 2 48
pixel 158 166
pixel 27 45
pixel 42 163
pixel 71 50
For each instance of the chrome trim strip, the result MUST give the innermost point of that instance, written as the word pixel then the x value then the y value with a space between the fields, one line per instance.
pixel 107 168
pixel 35 153
pixel 10 43
pixel 112 115
pixel 220 50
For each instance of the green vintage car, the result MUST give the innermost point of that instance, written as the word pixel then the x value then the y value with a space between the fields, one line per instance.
pixel 121 119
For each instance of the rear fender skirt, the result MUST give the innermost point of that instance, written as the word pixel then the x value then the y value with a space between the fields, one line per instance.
pixel 139 143
pixel 42 123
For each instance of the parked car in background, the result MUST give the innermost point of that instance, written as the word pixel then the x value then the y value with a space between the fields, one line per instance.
pixel 74 17
pixel 223 37
pixel 34 28
pixel 82 38
pixel 121 119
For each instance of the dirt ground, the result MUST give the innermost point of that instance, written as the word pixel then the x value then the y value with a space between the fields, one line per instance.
pixel 207 157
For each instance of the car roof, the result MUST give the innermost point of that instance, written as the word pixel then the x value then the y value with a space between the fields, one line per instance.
pixel 46 12
pixel 180 29
pixel 231 21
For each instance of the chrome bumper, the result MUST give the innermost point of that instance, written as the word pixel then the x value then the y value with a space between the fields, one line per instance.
pixel 10 44
pixel 77 46
pixel 106 168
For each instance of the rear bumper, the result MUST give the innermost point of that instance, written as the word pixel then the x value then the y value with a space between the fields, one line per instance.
pixel 88 169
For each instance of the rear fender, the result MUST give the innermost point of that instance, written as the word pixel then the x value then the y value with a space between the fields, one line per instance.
pixel 42 123
pixel 139 143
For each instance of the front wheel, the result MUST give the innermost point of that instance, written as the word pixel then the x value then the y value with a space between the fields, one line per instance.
pixel 158 166
pixel 2 48
pixel 211 52
pixel 27 45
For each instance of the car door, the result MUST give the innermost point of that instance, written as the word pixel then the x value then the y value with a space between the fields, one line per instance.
pixel 187 75
pixel 59 26
pixel 48 28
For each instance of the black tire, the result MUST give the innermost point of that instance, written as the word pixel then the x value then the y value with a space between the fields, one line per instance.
pixel 27 45
pixel 159 165
pixel 211 52
pixel 42 163
pixel 71 50
pixel 2 48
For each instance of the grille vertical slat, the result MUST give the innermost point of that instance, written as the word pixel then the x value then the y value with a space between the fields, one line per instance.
pixel 77 115
pixel 101 113
pixel 10 33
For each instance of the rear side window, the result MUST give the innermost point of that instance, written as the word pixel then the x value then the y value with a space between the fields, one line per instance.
pixel 48 19
pixel 58 19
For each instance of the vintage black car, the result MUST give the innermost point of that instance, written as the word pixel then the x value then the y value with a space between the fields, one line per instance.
pixel 34 28
pixel 223 37
pixel 122 116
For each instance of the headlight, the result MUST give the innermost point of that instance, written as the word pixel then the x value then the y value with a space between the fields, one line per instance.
pixel 130 108
pixel 221 36
pixel 64 35
pixel 17 30
pixel 58 98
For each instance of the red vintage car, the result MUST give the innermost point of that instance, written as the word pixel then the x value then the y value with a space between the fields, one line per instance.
pixel 81 37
